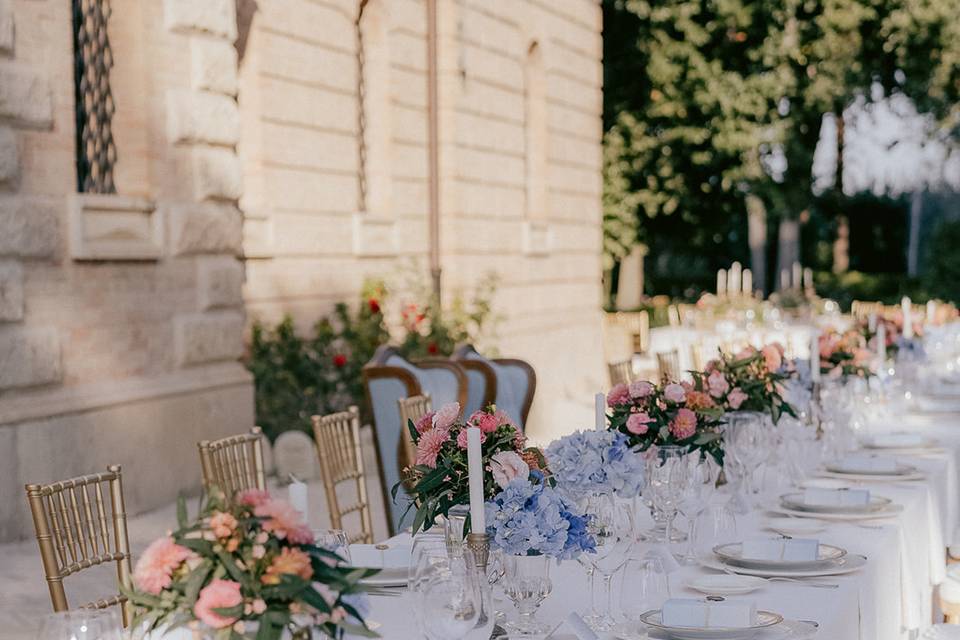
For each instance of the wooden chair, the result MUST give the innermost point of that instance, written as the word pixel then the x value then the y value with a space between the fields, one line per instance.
pixel 337 438
pixel 696 356
pixel 637 324
pixel 76 530
pixel 387 378
pixel 234 463
pixel 515 382
pixel 413 409
pixel 673 316
pixel 621 372
pixel 668 365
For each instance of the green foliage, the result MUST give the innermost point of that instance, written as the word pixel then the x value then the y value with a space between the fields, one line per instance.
pixel 887 288
pixel 707 103
pixel 943 271
pixel 296 377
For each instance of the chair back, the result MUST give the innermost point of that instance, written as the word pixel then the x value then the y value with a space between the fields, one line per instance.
pixel 636 324
pixel 621 372
pixel 411 409
pixel 668 365
pixel 696 356
pixel 337 437
pixel 481 383
pixel 516 382
pixel 234 463
pixel 82 523
pixel 387 378
pixel 673 315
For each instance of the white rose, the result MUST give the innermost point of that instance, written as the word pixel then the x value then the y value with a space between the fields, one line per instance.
pixel 506 466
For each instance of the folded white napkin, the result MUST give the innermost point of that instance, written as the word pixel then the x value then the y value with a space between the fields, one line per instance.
pixel 688 612
pixel 870 464
pixel 835 497
pixel 767 548
pixel 395 556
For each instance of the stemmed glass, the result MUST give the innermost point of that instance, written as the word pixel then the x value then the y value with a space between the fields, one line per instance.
pixel 697 490
pixel 645 586
pixel 526 581
pixel 717 524
pixel 668 475
pixel 745 440
pixel 81 624
pixel 334 540
pixel 612 528
pixel 448 602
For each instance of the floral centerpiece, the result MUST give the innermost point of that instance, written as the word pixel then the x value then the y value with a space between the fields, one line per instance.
pixel 439 478
pixel 595 462
pixel 844 355
pixel 670 414
pixel 246 569
pixel 894 340
pixel 751 380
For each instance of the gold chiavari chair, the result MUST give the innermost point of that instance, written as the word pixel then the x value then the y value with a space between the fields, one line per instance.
pixel 234 463
pixel 668 365
pixel 673 315
pixel 77 528
pixel 621 372
pixel 696 356
pixel 637 324
pixel 412 408
pixel 337 437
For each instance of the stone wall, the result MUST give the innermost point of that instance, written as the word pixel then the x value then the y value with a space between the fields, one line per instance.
pixel 121 315
pixel 520 127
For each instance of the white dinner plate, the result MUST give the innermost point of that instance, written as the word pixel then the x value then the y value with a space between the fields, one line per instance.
pixel 891 511
pixel 724 584
pixel 765 619
pixel 896 442
pixel 795 526
pixel 853 477
pixel 731 554
pixel 786 630
pixel 795 502
pixel 847 564
pixel 381 580
pixel 840 469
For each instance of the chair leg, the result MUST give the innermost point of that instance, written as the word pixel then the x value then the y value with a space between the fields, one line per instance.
pixel 951 611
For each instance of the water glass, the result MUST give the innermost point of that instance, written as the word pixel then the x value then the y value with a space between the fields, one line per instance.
pixel 698 488
pixel 448 603
pixel 645 586
pixel 526 581
pixel 333 540
pixel 82 624
pixel 716 525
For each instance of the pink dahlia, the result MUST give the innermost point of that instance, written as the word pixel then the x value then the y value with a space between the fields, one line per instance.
pixel 429 447
pixel 219 594
pixel 638 423
pixel 684 424
pixel 157 564
pixel 425 423
pixel 619 394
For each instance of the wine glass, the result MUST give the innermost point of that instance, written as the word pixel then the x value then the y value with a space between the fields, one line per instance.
pixel 449 604
pixel 696 493
pixel 334 540
pixel 611 526
pixel 526 581
pixel 717 524
pixel 667 480
pixel 644 586
pixel 745 437
pixel 81 624
pixel 428 556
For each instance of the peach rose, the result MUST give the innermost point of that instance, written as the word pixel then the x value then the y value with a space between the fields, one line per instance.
pixel 717 384
pixel 223 524
pixel 772 358
pixel 291 562
pixel 674 392
pixel 219 594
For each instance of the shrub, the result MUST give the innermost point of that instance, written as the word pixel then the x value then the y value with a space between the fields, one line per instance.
pixel 943 269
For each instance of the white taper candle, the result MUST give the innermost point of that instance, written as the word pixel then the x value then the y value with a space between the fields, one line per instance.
pixel 795 274
pixel 721 282
pixel 600 411
pixel 815 355
pixel 882 343
pixel 872 323
pixel 931 311
pixel 907 307
pixel 478 521
pixel 747 280
pixel 297 497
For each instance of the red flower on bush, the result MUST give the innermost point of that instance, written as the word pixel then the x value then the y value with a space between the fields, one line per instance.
pixel 374 305
pixel 432 348
pixel 339 360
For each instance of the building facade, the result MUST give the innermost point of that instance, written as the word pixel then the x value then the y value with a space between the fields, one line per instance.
pixel 227 160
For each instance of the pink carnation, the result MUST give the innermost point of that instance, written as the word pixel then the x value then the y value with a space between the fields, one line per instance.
pixel 717 384
pixel 637 423
pixel 157 564
pixel 425 423
pixel 502 417
pixel 253 497
pixel 684 424
pixel 429 446
pixel 280 518
pixel 462 438
pixel 446 415
pixel 619 395
pixel 487 422
pixel 674 392
pixel 219 594
pixel 736 398
pixel 640 389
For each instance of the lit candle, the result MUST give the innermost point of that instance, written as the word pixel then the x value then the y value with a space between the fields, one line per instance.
pixel 747 282
pixel 882 343
pixel 931 311
pixel 733 279
pixel 297 496
pixel 600 409
pixel 784 279
pixel 872 323
pixel 795 277
pixel 907 317
pixel 721 283
pixel 815 355
pixel 478 522
pixel 808 279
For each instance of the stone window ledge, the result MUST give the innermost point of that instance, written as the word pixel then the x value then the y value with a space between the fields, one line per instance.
pixel 114 227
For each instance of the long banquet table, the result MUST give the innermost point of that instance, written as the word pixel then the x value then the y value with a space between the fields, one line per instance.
pixel 890 598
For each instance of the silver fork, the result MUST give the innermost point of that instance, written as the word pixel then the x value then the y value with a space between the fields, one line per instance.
pixel 818 585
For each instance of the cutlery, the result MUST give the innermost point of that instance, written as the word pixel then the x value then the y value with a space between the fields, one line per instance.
pixel 819 585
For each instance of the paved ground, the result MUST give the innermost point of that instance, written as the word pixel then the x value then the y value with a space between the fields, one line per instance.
pixel 23 591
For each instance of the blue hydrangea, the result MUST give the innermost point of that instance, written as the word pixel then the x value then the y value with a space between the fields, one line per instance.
pixel 591 462
pixel 530 518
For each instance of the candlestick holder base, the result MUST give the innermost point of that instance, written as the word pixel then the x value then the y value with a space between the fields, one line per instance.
pixel 479 544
